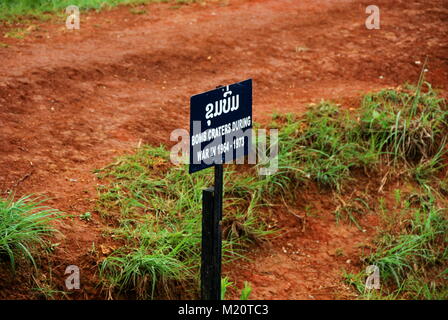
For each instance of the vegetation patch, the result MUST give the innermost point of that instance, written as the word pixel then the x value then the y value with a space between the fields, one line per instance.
pixel 402 129
pixel 154 210
pixel 14 10
pixel 411 251
pixel 154 207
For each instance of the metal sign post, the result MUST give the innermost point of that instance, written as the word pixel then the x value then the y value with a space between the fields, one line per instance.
pixel 220 132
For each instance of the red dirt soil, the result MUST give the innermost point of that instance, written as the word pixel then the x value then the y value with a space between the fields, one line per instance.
pixel 70 101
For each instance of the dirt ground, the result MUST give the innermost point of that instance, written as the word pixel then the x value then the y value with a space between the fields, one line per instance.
pixel 70 101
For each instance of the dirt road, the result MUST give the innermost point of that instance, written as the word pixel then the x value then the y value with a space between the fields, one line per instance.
pixel 70 101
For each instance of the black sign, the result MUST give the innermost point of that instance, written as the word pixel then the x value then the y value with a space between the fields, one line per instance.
pixel 220 125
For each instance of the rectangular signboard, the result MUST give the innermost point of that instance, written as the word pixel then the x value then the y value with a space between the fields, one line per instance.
pixel 220 125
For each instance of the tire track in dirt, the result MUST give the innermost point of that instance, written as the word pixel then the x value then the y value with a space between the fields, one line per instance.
pixel 70 102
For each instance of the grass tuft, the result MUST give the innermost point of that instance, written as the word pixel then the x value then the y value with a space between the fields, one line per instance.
pixel 23 225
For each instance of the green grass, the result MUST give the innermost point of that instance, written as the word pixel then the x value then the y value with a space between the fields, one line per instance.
pixel 155 212
pixel 226 284
pixel 324 146
pixel 13 10
pixel 23 225
pixel 396 255
pixel 246 291
pixel 411 252
pixel 411 128
pixel 87 216
pixel 401 129
pixel 408 126
pixel 154 208
pixel 350 210
pixel 395 133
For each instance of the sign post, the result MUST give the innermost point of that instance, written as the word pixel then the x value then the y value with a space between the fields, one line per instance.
pixel 220 132
pixel 210 282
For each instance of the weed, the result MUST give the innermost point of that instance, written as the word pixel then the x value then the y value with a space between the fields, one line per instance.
pixel 138 269
pixel 406 125
pixel 87 216
pixel 246 291
pixel 397 196
pixel 349 210
pixel 226 284
pixel 45 287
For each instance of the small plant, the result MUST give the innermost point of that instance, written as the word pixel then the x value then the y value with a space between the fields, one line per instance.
pixel 351 209
pixel 339 252
pixel 46 289
pixel 137 270
pixel 226 284
pixel 427 168
pixel 87 216
pixel 397 196
pixel 246 291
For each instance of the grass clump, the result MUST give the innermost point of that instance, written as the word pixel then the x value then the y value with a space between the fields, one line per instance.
pixel 140 270
pixel 23 225
pixel 408 126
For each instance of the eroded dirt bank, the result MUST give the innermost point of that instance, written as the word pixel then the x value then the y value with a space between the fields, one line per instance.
pixel 71 101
